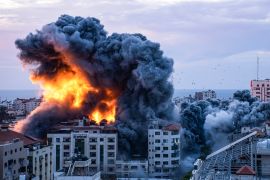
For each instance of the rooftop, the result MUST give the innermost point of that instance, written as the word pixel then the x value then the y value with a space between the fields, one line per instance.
pixel 172 127
pixel 245 170
pixel 7 135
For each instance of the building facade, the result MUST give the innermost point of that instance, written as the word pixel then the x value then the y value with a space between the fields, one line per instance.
pixel 163 150
pixel 97 143
pixel 40 162
pixel 12 159
pixel 203 95
pixel 131 169
pixel 260 89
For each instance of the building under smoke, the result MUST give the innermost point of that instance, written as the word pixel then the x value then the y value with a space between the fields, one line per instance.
pixel 122 78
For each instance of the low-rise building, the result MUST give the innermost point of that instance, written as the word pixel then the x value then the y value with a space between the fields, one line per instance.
pixel 163 150
pixel 132 168
pixel 77 168
pixel 203 95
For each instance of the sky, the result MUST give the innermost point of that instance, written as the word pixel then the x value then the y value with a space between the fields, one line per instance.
pixel 214 43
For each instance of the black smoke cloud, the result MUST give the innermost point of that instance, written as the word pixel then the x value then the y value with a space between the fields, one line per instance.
pixel 129 64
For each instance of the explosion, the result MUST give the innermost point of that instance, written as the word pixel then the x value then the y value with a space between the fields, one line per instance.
pixel 83 72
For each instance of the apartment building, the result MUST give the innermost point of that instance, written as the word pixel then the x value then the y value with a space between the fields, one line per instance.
pixel 260 89
pixel 131 168
pixel 203 95
pixel 163 150
pixel 98 143
pixel 13 155
pixel 40 162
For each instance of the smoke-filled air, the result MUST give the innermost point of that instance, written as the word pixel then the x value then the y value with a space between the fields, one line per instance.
pixel 83 71
pixel 207 125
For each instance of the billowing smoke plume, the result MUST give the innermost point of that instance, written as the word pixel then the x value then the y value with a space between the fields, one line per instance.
pixel 126 67
pixel 207 124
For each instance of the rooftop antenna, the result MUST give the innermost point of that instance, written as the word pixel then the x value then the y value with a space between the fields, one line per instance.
pixel 258 63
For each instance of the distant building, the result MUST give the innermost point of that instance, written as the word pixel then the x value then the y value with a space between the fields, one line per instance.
pixel 25 106
pixel 203 95
pixel 260 89
pixel 98 143
pixel 267 128
pixel 163 150
pixel 131 169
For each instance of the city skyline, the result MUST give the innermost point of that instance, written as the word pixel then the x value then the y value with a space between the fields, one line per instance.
pixel 214 43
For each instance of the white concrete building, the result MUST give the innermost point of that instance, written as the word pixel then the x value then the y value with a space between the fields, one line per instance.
pixel 163 150
pixel 260 89
pixel 40 162
pixel 31 104
pixel 131 169
pixel 267 128
pixel 77 168
pixel 99 143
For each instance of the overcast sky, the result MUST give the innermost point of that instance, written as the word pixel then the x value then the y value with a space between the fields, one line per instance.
pixel 214 43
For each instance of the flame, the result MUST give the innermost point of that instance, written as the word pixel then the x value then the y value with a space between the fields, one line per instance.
pixel 71 87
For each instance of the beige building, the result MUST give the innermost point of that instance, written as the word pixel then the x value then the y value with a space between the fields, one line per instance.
pixel 260 89
pixel 13 155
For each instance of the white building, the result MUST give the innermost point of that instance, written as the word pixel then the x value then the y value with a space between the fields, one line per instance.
pixel 163 150
pixel 31 104
pixel 40 162
pixel 77 168
pixel 260 89
pixel 99 143
pixel 267 128
pixel 131 169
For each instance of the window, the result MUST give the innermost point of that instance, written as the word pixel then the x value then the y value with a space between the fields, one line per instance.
pixel 134 167
pixel 157 155
pixel 66 147
pixel 92 154
pixel 11 151
pixel 165 162
pixel 110 161
pixel 111 140
pixel 5 153
pixel 101 139
pixel 157 133
pixel 165 148
pixel 165 155
pixel 93 147
pixel 93 161
pixel 175 162
pixel 111 147
pixel 66 154
pixel 157 148
pixel 157 163
pixel 165 140
pixel 57 139
pixel 92 139
pixel 20 149
pixel 165 133
pixel 110 154
pixel 157 141
pixel 66 139
pixel 15 150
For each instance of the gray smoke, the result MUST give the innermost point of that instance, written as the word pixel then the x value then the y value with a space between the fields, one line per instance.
pixel 208 123
pixel 128 64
